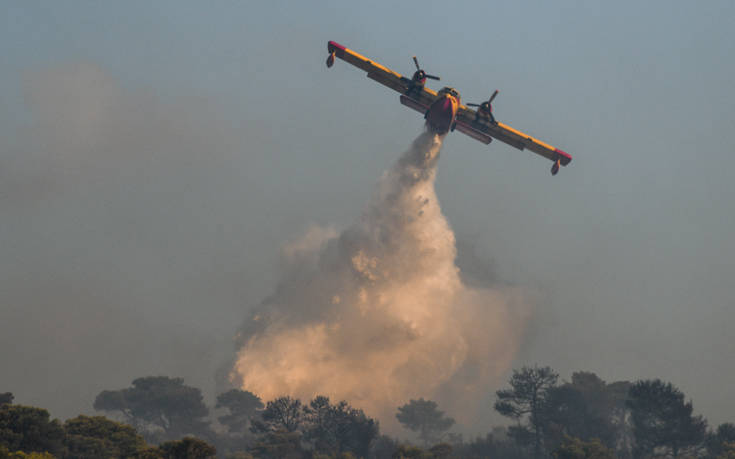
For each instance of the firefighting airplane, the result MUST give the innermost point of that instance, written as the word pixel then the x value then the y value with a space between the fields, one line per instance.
pixel 444 111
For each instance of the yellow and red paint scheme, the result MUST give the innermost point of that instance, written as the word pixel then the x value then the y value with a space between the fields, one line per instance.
pixel 441 114
pixel 444 110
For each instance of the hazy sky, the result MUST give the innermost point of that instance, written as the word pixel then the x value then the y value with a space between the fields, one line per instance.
pixel 155 156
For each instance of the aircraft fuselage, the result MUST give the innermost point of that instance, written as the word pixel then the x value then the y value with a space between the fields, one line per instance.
pixel 441 114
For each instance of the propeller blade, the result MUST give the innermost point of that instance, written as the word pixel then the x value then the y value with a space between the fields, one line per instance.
pixel 416 61
pixel 470 104
pixel 493 96
pixel 432 77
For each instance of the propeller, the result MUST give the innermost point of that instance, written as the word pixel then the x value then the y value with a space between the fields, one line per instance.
pixel 420 74
pixel 488 102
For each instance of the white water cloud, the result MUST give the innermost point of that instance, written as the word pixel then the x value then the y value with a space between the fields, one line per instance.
pixel 378 313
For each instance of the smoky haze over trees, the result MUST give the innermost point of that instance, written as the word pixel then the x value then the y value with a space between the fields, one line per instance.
pixel 242 406
pixel 424 417
pixel 151 169
pixel 582 418
pixel 158 403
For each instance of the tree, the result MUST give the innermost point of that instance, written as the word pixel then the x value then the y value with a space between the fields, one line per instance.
pixel 424 417
pixel 411 452
pixel 29 429
pixel 283 413
pixel 716 441
pixel 242 406
pixel 6 398
pixel 575 448
pixel 497 443
pixel 159 401
pixel 6 454
pixel 441 450
pixel 383 447
pixel 321 430
pixel 585 408
pixel 528 397
pixel 92 437
pixel 336 429
pixel 662 420
pixel 728 451
pixel 278 445
pixel 187 448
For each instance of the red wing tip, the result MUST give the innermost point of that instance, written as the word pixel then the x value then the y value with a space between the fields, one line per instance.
pixel 332 45
pixel 564 157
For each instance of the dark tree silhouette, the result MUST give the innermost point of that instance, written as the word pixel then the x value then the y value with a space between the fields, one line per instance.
pixel 585 408
pixel 527 396
pixel 717 441
pixel 728 451
pixel 242 407
pixel 29 429
pixel 187 448
pixel 663 421
pixel 97 436
pixel 335 429
pixel 159 401
pixel 424 417
pixel 283 413
pixel 278 445
pixel 6 398
pixel 574 448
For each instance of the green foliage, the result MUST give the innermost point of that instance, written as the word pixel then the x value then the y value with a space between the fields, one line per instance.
pixel 728 451
pixel 383 446
pixel 97 436
pixel 586 408
pixel 158 401
pixel 29 429
pixel 278 445
pixel 575 448
pixel 527 397
pixel 717 441
pixel 242 406
pixel 347 455
pixel 424 417
pixel 441 451
pixel 337 429
pixel 496 444
pixel 283 413
pixel 662 420
pixel 411 452
pixel 583 418
pixel 6 454
pixel 150 453
pixel 187 448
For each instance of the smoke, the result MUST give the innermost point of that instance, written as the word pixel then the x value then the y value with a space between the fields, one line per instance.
pixel 378 314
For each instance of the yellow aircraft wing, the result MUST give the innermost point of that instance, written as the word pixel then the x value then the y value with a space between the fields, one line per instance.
pixel 417 97
pixel 479 127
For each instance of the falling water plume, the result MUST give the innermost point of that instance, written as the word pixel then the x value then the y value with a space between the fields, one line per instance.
pixel 378 314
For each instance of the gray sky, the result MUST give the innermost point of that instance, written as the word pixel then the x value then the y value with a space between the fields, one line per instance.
pixel 155 157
